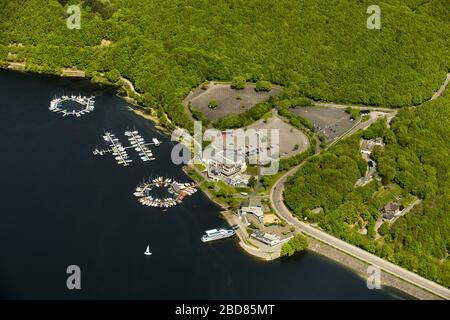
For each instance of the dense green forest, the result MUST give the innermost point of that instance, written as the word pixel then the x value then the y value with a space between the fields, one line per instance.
pixel 320 49
pixel 415 158
pixel 316 49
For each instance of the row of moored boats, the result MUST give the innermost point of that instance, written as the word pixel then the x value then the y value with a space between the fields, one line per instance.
pixel 139 145
pixel 177 190
pixel 57 105
pixel 118 151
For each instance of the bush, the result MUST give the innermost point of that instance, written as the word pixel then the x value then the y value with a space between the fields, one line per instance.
pixel 354 113
pixel 205 85
pixel 252 182
pixel 384 229
pixel 244 119
pixel 238 83
pixel 213 104
pixel 295 120
pixel 263 86
pixel 297 244
pixel 295 102
pixel 113 75
pixel 198 115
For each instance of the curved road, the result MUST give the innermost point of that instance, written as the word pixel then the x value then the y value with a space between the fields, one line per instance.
pixel 276 198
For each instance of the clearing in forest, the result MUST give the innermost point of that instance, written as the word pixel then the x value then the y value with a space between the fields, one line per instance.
pixel 230 101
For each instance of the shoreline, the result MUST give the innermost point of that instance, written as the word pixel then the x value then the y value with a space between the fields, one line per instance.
pixel 344 259
pixel 231 218
pixel 354 264
pixel 360 268
pixel 131 95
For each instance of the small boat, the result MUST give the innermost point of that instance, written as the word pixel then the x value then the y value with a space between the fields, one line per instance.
pixel 156 142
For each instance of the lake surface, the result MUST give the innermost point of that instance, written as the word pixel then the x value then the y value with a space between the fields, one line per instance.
pixel 62 206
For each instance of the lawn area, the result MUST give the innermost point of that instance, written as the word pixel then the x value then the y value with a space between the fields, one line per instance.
pixel 252 170
pixel 407 200
pixel 223 187
pixel 391 193
pixel 268 182
pixel 223 193
pixel 194 174
pixel 200 167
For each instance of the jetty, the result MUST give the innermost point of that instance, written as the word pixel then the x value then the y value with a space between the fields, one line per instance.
pixel 139 145
pixel 57 105
pixel 116 148
pixel 177 191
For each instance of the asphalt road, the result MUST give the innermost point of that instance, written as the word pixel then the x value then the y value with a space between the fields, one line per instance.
pixel 276 198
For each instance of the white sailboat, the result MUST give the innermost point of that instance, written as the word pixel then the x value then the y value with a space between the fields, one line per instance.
pixel 147 252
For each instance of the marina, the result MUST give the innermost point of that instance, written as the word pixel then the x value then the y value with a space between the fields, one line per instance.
pixel 120 152
pixel 57 105
pixel 177 191
pixel 76 208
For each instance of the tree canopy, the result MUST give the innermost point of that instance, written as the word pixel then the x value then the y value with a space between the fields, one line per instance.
pixel 263 85
pixel 297 244
pixel 166 48
pixel 415 158
pixel 238 82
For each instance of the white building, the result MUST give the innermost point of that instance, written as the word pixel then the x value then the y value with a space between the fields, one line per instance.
pixel 257 211
pixel 270 239
pixel 220 165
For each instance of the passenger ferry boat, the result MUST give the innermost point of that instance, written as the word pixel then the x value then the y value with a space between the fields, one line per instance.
pixel 221 233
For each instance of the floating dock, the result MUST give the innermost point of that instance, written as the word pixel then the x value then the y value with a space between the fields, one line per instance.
pixel 120 152
pixel 177 190
pixel 116 149
pixel 57 105
pixel 139 145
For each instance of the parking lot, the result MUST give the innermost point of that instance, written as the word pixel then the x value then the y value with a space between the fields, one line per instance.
pixel 292 140
pixel 330 122
pixel 231 101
